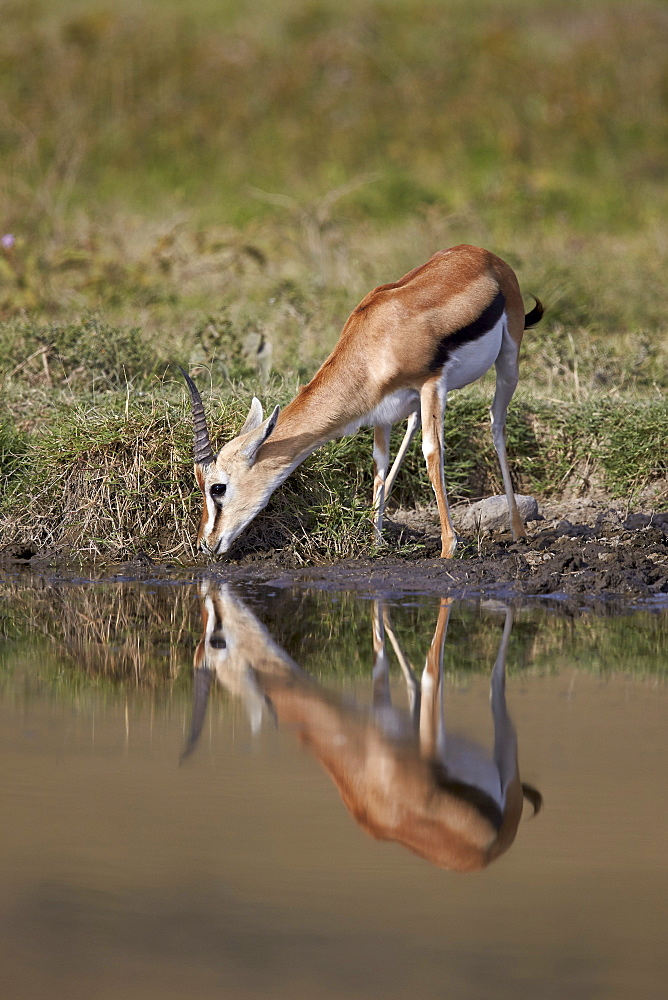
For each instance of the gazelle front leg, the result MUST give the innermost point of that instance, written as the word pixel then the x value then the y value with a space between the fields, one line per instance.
pixel 381 461
pixel 432 405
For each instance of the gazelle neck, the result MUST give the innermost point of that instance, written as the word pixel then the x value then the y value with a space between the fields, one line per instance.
pixel 315 416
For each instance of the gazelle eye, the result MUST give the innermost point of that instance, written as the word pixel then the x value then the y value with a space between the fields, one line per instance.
pixel 217 642
pixel 218 489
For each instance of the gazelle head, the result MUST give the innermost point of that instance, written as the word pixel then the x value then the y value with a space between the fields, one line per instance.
pixel 235 489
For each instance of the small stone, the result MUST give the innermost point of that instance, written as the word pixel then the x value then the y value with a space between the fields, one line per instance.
pixel 492 514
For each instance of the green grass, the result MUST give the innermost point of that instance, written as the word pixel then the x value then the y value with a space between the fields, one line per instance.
pixel 144 147
pixel 182 183
pixel 538 107
pixel 110 474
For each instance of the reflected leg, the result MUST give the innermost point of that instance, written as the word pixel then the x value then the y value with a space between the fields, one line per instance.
pixel 505 738
pixel 412 683
pixel 432 720
pixel 381 668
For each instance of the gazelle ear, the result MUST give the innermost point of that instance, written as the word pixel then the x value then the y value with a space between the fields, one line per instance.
pixel 254 418
pixel 250 449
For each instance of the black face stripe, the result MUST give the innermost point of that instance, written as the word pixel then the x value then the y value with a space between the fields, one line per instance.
pixel 488 318
pixel 216 517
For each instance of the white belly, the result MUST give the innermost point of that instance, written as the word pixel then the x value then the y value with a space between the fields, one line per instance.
pixel 395 407
pixel 469 362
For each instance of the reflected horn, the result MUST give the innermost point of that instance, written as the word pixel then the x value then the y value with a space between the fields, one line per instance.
pixel 203 452
pixel 202 681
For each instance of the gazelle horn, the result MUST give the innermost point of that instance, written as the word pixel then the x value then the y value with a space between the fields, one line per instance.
pixel 203 452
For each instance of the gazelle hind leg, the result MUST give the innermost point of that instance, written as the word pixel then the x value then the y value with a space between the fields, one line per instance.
pixel 381 461
pixel 507 375
pixel 411 428
pixel 432 405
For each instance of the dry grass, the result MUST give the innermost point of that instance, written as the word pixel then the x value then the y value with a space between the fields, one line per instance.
pixel 114 479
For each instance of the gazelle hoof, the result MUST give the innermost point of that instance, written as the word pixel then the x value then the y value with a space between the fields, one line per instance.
pixel 449 546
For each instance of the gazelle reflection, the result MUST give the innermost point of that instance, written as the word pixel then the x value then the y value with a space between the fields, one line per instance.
pixel 399 774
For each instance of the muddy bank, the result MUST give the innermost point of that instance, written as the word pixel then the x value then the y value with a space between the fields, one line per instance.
pixel 583 552
pixel 597 554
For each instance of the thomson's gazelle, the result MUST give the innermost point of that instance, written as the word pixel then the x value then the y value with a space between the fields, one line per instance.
pixel 440 327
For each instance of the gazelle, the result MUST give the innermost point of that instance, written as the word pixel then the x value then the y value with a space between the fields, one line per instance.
pixel 399 775
pixel 440 327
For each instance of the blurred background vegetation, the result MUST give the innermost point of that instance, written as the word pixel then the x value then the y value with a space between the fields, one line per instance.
pixel 216 181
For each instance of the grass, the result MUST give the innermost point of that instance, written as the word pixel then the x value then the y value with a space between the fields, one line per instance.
pixel 120 104
pixel 193 184
pixel 112 476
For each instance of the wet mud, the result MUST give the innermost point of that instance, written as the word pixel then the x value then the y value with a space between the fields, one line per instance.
pixel 601 555
pixel 580 553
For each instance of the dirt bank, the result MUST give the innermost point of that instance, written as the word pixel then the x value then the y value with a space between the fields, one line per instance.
pixel 581 551
pixel 586 551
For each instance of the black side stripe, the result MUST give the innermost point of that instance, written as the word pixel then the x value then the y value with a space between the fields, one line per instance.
pixel 488 318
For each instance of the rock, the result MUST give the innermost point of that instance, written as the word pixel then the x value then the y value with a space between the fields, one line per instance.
pixel 492 514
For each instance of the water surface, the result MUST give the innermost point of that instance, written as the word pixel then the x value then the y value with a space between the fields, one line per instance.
pixel 247 869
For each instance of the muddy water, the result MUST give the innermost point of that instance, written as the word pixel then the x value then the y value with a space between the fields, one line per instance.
pixel 246 868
